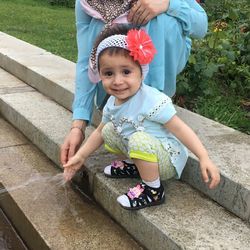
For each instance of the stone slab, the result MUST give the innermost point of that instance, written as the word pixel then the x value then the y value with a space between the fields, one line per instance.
pixel 229 149
pixel 10 136
pixel 10 235
pixel 50 74
pixel 187 220
pixel 11 84
pixel 48 215
pixel 38 116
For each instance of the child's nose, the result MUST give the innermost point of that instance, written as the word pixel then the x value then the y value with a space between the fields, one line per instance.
pixel 118 79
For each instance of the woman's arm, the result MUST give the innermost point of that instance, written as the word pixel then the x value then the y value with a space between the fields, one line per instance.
pixel 187 136
pixel 145 10
pixel 189 13
pixel 94 142
pixel 84 89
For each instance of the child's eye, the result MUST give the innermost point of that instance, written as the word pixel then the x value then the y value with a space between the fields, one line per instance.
pixel 126 71
pixel 108 73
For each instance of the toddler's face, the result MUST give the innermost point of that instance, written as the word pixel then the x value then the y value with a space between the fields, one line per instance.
pixel 121 76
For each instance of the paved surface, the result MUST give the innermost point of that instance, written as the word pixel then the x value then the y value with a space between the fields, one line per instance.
pixel 64 219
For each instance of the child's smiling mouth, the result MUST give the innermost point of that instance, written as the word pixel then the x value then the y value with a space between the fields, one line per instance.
pixel 119 90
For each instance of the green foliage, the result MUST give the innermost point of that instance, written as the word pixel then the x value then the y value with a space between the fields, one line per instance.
pixel 225 110
pixel 39 23
pixel 68 3
pixel 219 65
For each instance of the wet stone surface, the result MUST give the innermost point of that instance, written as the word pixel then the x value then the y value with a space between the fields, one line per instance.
pixel 42 208
pixel 9 239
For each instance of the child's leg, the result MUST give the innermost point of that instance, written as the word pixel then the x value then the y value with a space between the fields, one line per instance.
pixel 152 158
pixel 114 144
pixel 112 141
pixel 152 161
pixel 149 171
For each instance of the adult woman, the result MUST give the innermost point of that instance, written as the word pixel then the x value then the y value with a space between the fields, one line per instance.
pixel 170 24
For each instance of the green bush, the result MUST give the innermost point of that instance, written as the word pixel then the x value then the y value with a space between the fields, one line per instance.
pixel 67 3
pixel 219 65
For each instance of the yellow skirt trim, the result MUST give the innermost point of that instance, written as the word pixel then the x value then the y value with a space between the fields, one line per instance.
pixel 111 150
pixel 143 156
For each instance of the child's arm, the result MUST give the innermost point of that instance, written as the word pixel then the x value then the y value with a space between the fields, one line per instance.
pixel 187 136
pixel 94 141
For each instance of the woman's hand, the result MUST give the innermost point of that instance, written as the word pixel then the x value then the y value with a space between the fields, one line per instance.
pixel 145 10
pixel 72 166
pixel 72 143
pixel 210 173
pixel 93 142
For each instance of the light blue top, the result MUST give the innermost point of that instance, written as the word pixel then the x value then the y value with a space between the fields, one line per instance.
pixel 153 110
pixel 170 33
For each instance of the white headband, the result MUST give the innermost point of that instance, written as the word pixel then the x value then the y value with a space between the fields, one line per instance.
pixel 118 41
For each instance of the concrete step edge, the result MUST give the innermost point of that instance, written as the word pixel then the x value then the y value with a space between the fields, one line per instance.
pixel 51 75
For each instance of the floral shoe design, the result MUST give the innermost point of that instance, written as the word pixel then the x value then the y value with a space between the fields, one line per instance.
pixel 121 169
pixel 142 196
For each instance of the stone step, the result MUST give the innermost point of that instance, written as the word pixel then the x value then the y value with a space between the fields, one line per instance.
pixel 49 74
pixel 187 220
pixel 53 76
pixel 46 214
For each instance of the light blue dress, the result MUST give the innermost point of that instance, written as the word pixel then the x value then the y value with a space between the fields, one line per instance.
pixel 148 110
pixel 170 32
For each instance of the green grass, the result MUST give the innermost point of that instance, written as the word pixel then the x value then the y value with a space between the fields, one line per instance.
pixel 53 28
pixel 226 110
pixel 39 23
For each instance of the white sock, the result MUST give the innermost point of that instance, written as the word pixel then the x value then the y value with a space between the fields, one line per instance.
pixel 154 184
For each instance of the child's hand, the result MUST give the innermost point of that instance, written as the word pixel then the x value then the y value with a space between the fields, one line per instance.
pixel 71 167
pixel 209 172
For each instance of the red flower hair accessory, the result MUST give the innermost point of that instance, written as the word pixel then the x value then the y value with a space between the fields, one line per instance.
pixel 140 46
